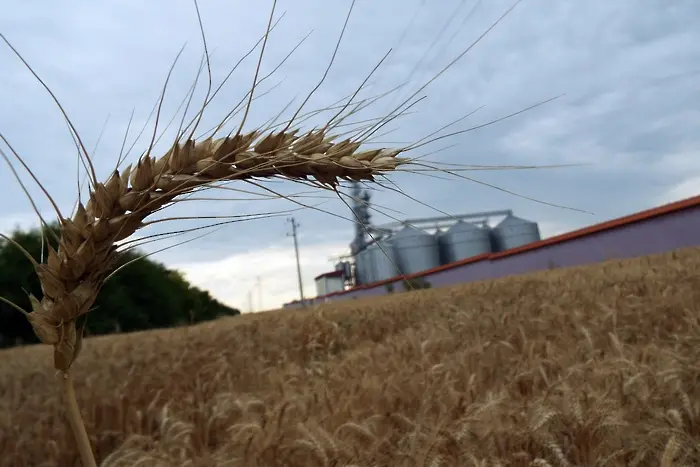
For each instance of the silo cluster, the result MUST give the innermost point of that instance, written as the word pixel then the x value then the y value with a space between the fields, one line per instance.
pixel 412 250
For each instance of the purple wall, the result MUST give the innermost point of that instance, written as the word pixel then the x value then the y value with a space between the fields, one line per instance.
pixel 679 229
pixel 675 230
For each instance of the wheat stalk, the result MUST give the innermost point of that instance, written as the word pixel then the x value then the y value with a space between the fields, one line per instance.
pixel 72 275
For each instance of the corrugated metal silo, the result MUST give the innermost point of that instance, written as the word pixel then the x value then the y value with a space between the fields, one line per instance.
pixel 513 232
pixel 416 250
pixel 382 260
pixel 361 268
pixel 442 249
pixel 464 240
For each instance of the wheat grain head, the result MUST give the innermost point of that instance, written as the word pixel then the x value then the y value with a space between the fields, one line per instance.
pixel 73 274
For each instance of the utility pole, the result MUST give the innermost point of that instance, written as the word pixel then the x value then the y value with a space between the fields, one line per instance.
pixel 296 252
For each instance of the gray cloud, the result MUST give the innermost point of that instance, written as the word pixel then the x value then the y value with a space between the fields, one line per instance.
pixel 628 68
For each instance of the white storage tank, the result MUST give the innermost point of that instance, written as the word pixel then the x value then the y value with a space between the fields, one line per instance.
pixel 513 232
pixel 416 250
pixel 464 240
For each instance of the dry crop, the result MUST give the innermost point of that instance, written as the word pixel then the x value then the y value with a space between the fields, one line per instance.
pixel 595 365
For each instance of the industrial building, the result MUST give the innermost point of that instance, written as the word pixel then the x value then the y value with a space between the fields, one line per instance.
pixel 470 251
pixel 409 247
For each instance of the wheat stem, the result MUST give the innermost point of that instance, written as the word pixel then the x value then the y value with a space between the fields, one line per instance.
pixel 76 422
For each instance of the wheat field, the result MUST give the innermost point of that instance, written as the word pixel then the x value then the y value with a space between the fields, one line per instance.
pixel 589 366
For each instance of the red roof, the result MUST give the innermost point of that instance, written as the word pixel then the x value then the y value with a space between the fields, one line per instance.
pixel 329 274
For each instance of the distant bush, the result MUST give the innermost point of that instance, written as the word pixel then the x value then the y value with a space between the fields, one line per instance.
pixel 143 295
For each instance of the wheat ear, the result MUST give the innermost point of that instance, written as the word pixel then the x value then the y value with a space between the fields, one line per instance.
pixel 72 275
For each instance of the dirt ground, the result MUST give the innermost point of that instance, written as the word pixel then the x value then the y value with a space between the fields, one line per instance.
pixel 588 366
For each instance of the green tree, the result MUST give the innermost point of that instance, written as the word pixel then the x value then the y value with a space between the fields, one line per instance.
pixel 143 295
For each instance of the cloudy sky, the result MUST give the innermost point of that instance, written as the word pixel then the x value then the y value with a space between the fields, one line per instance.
pixel 630 114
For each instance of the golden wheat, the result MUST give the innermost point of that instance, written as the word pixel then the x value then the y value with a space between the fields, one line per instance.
pixel 589 366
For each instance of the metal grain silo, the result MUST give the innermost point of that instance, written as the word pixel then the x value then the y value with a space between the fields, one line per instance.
pixel 416 250
pixel 382 260
pixel 513 232
pixel 361 268
pixel 442 248
pixel 464 240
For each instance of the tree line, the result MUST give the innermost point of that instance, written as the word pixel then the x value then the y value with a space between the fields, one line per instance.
pixel 143 295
